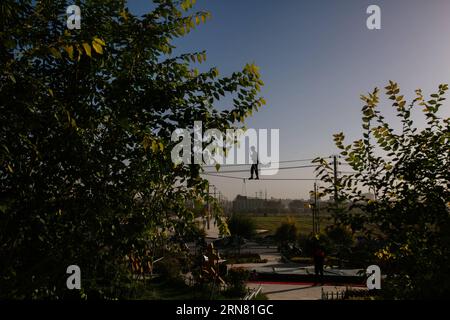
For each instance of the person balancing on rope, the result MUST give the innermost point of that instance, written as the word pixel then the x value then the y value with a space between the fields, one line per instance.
pixel 255 161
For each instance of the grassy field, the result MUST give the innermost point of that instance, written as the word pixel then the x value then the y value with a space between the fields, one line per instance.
pixel 303 222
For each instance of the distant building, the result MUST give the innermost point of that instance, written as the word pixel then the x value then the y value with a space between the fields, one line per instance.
pixel 299 206
pixel 244 204
pixel 247 204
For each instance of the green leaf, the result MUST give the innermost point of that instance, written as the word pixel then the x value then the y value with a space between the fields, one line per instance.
pixel 55 53
pixel 87 48
pixel 69 50
pixel 97 47
pixel 155 146
pixel 99 41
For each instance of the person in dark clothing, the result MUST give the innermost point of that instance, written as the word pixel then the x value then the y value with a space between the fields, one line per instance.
pixel 319 259
pixel 255 162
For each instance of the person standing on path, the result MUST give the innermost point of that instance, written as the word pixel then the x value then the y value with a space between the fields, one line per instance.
pixel 319 259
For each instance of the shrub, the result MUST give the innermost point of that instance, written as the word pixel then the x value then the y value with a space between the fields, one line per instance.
pixel 341 241
pixel 242 226
pixel 236 279
pixel 310 242
pixel 286 233
pixel 406 216
pixel 169 269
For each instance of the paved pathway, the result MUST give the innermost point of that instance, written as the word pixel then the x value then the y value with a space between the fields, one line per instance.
pixel 292 291
pixel 274 290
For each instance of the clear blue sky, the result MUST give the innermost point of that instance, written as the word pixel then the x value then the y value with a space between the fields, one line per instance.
pixel 316 58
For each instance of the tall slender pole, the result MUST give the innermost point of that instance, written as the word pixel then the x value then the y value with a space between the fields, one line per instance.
pixel 215 190
pixel 207 201
pixel 315 208
pixel 318 214
pixel 335 166
pixel 207 210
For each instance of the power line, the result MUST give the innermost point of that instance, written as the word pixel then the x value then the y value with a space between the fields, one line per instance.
pixel 283 161
pixel 285 168
pixel 222 176
pixel 267 179
pixel 289 179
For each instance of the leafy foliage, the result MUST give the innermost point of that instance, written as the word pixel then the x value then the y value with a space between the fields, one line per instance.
pixel 407 219
pixel 86 118
pixel 242 226
pixel 309 243
pixel 286 233
pixel 236 279
pixel 341 240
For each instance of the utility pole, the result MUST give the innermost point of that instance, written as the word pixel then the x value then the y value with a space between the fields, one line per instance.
pixel 318 212
pixel 312 212
pixel 215 198
pixel 335 168
pixel 207 210
pixel 208 216
pixel 315 209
